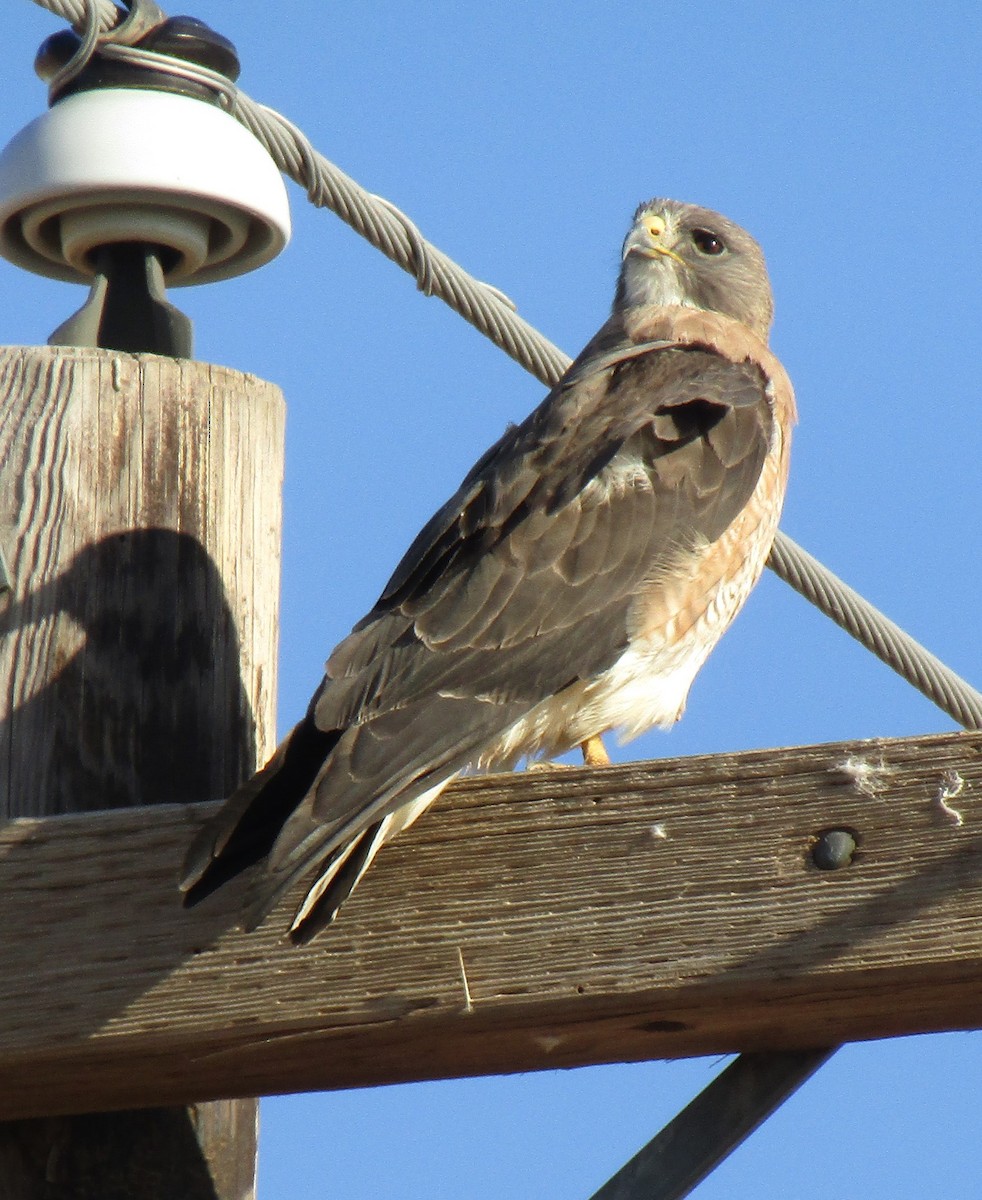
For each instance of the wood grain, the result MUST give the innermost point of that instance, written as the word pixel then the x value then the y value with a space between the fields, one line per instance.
pixel 656 910
pixel 140 515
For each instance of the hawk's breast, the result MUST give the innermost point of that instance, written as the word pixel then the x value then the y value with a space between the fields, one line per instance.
pixel 679 616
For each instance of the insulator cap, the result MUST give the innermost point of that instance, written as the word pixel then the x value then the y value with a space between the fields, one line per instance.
pixel 135 165
pixel 184 38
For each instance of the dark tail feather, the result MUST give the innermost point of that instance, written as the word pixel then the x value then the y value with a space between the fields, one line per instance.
pixel 311 918
pixel 242 833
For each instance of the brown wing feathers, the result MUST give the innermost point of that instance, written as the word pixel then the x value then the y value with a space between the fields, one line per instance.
pixel 519 586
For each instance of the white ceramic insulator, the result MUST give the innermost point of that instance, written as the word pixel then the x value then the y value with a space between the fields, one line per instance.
pixel 130 164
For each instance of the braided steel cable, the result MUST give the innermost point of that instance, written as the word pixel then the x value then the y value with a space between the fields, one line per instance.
pixel 75 11
pixel 876 632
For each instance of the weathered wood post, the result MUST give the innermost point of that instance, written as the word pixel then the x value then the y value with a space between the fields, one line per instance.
pixel 140 518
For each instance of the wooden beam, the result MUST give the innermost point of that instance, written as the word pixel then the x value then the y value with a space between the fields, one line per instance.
pixel 546 919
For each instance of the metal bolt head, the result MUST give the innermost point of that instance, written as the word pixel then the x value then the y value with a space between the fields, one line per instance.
pixel 833 848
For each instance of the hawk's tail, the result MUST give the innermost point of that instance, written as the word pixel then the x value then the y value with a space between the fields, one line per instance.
pixel 242 833
pixel 339 873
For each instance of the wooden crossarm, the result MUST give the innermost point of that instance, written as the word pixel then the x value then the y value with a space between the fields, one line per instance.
pixel 534 920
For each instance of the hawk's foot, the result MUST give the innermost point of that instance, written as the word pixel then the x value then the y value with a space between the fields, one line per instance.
pixel 595 752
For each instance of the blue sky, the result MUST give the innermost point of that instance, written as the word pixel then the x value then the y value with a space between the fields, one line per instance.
pixel 520 138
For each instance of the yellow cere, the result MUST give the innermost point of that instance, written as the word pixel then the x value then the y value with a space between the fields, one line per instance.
pixel 654 224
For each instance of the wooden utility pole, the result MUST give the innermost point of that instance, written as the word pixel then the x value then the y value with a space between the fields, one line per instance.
pixel 140 519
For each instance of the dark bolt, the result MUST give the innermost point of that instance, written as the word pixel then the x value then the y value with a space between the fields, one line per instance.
pixel 833 849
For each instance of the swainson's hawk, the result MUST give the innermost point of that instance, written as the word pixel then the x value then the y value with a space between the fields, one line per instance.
pixel 575 582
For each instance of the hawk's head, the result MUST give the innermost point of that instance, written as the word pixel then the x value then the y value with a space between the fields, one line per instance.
pixel 681 254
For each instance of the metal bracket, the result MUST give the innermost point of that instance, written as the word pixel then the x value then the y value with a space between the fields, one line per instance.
pixel 127 308
pixel 708 1129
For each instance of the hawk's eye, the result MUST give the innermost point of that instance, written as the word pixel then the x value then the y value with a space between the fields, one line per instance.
pixel 707 243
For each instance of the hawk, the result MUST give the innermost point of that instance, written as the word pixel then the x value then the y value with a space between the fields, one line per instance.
pixel 575 582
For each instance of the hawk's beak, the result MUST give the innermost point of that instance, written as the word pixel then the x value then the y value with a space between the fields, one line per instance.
pixel 647 238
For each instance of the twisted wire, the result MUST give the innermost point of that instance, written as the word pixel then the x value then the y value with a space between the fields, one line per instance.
pixel 493 314
pixel 91 32
pixel 392 232
pixel 876 632
pixel 75 11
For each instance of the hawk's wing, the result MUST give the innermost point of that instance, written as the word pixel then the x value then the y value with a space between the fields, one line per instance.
pixel 522 584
